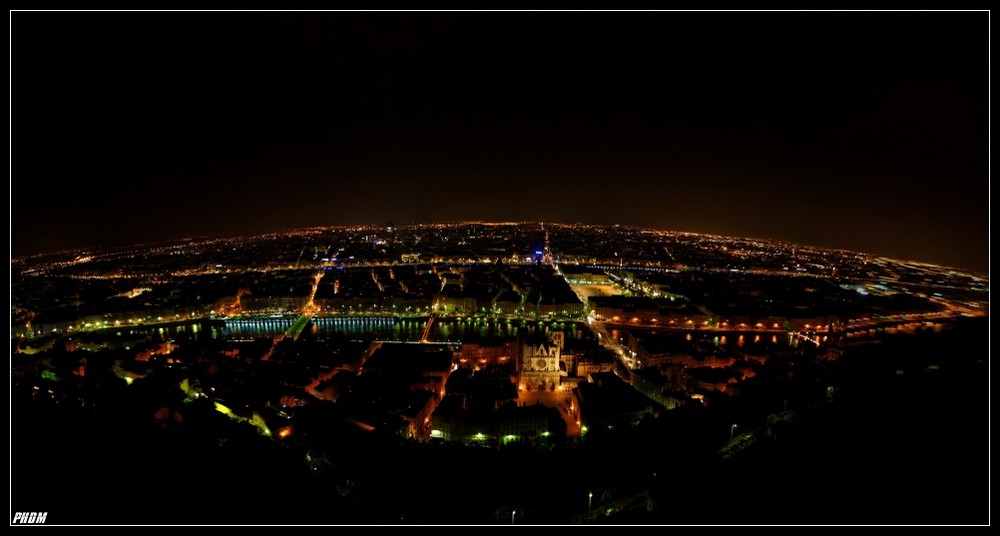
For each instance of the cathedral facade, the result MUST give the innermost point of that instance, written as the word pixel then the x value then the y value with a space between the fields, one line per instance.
pixel 540 365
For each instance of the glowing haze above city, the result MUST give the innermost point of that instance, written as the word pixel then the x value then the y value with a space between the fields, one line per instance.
pixel 861 131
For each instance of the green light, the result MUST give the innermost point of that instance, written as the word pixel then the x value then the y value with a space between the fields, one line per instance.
pixel 223 409
pixel 186 387
pixel 258 422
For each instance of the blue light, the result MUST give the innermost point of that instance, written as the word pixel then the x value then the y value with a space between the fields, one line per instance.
pixel 538 252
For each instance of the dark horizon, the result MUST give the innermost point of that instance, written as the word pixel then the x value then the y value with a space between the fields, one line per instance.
pixel 858 131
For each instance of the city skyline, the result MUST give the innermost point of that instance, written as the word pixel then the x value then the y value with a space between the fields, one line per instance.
pixel 520 373
pixel 859 131
pixel 386 228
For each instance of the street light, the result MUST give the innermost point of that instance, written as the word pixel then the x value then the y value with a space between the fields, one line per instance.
pixel 732 430
pixel 512 512
pixel 590 501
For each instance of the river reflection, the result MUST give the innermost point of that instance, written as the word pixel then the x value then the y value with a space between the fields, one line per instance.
pixel 457 329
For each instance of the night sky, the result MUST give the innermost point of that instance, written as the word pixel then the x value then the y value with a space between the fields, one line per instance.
pixel 864 131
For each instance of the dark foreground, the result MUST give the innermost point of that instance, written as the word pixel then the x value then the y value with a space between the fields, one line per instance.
pixel 903 439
